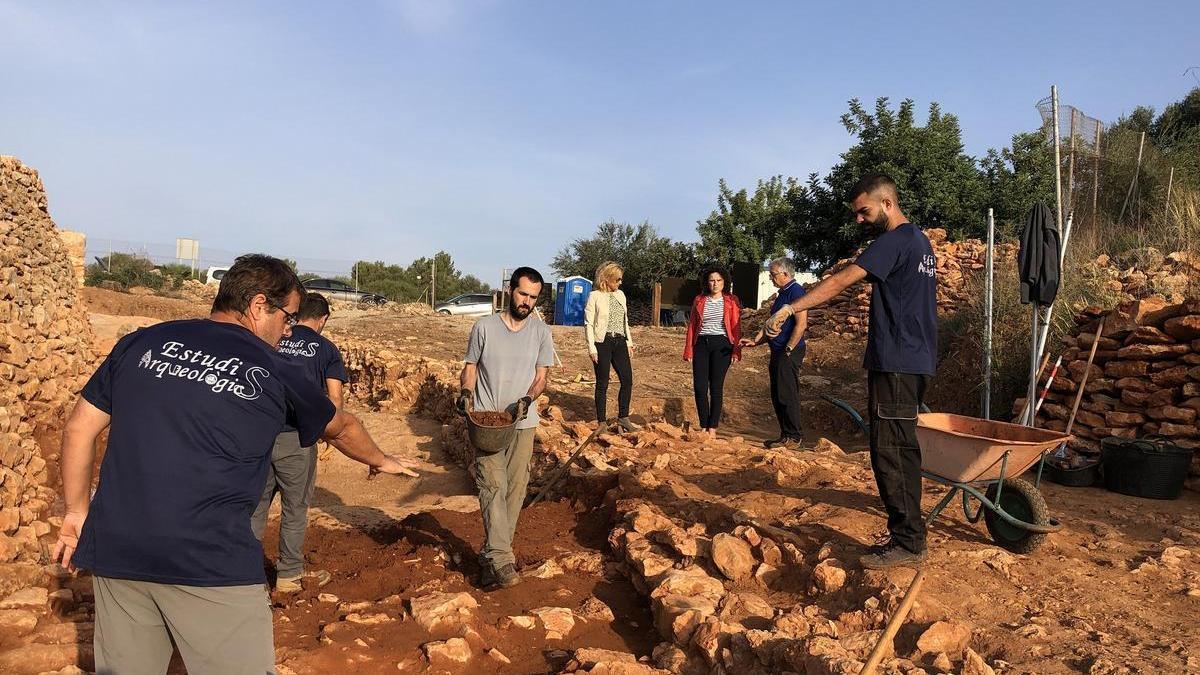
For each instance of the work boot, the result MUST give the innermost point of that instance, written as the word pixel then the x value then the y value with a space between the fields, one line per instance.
pixel 628 424
pixel 294 584
pixel 487 574
pixel 891 554
pixel 788 442
pixel 506 576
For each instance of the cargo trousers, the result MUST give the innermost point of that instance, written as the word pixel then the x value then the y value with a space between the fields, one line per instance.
pixel 894 399
pixel 502 479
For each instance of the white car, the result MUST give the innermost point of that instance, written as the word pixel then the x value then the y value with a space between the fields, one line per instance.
pixel 214 275
pixel 468 304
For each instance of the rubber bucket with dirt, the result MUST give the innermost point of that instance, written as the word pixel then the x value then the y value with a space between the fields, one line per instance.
pixel 490 431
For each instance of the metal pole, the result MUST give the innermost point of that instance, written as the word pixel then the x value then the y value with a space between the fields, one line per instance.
pixel 1167 208
pixel 1071 165
pixel 1058 221
pixel 1031 393
pixel 433 281
pixel 1096 178
pixel 1133 182
pixel 987 337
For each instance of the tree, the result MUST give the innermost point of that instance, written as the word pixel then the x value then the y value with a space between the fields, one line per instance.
pixel 1022 175
pixel 747 228
pixel 412 282
pixel 645 256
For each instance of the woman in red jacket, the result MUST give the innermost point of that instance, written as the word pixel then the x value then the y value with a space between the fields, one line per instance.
pixel 714 330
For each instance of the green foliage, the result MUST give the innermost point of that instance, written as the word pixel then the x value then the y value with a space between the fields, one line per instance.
pixel 645 256
pixel 1020 176
pixel 176 273
pixel 412 282
pixel 751 228
pixel 125 269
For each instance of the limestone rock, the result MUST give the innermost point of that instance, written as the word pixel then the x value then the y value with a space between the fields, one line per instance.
pixel 557 620
pixel 944 636
pixel 454 650
pixel 29 598
pixel 17 622
pixel 733 557
pixel 973 664
pixel 828 576
pixel 442 609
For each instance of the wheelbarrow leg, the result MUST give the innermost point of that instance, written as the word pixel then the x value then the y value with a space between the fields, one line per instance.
pixel 941 505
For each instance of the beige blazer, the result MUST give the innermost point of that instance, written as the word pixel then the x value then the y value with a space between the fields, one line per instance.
pixel 595 317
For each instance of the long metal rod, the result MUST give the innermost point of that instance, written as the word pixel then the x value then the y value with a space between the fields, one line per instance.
pixel 987 336
pixel 1031 394
pixel 1096 178
pixel 1071 165
pixel 1058 220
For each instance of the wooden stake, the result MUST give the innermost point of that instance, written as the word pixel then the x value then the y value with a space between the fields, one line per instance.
pixel 889 633
pixel 1083 380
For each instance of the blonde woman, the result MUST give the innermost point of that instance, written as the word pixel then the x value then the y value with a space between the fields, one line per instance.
pixel 606 325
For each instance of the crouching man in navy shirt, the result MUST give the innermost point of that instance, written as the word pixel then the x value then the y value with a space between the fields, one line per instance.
pixel 900 357
pixel 194 408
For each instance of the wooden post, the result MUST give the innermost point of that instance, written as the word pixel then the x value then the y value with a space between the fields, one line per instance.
pixel 893 625
pixel 656 305
pixel 1167 208
pixel 1083 380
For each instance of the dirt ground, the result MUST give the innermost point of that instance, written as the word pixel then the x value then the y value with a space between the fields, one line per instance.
pixel 1116 591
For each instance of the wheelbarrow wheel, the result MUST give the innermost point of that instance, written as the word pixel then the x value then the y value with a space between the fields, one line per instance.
pixel 1021 500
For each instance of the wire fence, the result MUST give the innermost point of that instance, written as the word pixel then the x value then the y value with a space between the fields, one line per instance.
pixel 162 253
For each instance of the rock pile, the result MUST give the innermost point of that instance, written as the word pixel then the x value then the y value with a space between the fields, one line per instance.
pixel 1144 380
pixel 45 353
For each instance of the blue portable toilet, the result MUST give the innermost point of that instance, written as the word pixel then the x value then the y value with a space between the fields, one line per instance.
pixel 571 297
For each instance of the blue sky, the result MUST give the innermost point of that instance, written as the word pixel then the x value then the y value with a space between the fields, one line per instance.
pixel 499 131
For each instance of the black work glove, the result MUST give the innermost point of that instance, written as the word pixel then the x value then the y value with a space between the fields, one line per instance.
pixel 464 401
pixel 523 407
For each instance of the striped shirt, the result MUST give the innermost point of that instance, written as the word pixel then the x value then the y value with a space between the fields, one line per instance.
pixel 713 321
pixel 616 316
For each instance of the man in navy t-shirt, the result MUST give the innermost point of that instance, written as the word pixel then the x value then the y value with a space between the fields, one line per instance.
pixel 293 469
pixel 194 407
pixel 900 357
pixel 787 354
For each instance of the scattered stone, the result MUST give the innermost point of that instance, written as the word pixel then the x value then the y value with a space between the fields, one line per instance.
pixel 942 662
pixel 593 609
pixel 944 636
pixel 498 656
pixel 557 620
pixel 546 570
pixel 973 664
pixel 327 597
pixel 454 650
pixel 17 622
pixel 828 576
pixel 591 656
pixel 525 622
pixel 440 609
pixel 732 556
pixel 369 619
pixel 28 598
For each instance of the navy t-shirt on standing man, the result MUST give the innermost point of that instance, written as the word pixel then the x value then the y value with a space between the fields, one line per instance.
pixel 902 333
pixel 786 295
pixel 196 406
pixel 319 357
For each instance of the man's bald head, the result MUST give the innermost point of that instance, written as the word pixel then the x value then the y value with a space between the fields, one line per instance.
pixel 875 202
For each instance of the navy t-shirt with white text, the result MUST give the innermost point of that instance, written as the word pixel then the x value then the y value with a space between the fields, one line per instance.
pixel 319 357
pixel 902 332
pixel 786 296
pixel 196 406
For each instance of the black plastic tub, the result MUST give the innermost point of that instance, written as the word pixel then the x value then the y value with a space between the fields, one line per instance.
pixel 1144 468
pixel 1083 476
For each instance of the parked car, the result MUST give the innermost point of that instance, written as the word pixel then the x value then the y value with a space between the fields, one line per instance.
pixel 468 304
pixel 339 290
pixel 214 274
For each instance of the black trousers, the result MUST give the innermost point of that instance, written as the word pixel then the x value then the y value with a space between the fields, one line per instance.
pixel 785 390
pixel 613 354
pixel 894 400
pixel 711 356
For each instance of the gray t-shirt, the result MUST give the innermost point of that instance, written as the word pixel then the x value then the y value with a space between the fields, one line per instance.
pixel 507 362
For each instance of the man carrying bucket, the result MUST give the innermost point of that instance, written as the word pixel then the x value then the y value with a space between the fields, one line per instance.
pixel 900 356
pixel 508 357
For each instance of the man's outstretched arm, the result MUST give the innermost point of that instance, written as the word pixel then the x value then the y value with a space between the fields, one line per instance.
pixel 823 292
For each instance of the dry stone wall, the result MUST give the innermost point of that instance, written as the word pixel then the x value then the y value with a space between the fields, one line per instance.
pixel 45 353
pixel 1143 381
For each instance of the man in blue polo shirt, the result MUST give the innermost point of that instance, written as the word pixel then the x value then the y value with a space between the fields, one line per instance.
pixel 194 407
pixel 787 354
pixel 293 470
pixel 900 357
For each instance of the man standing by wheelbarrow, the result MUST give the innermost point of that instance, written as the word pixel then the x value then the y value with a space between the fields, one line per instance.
pixel 508 357
pixel 900 356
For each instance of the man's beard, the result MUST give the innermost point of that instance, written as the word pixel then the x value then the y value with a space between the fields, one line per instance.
pixel 519 312
pixel 880 224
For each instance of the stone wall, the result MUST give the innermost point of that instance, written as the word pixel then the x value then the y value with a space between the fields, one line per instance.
pixel 45 354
